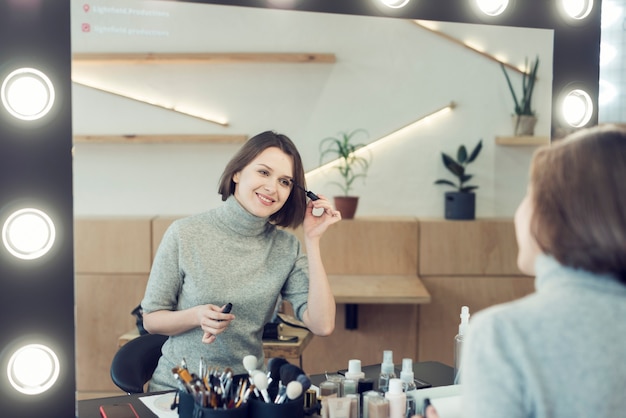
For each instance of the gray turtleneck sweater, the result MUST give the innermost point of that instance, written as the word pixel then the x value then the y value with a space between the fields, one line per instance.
pixel 558 353
pixel 220 256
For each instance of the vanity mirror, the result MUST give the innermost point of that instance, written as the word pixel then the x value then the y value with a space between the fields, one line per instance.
pixel 386 72
pixel 36 34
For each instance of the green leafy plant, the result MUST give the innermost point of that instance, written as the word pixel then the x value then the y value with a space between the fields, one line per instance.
pixel 522 106
pixel 351 166
pixel 457 167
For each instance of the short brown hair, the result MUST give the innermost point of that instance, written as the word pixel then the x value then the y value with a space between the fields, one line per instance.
pixel 578 188
pixel 292 212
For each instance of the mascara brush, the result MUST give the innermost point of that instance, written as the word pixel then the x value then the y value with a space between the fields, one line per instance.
pixel 309 193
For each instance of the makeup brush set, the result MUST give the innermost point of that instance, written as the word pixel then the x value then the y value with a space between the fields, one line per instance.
pixel 257 394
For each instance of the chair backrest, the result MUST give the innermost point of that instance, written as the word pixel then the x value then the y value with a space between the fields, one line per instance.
pixel 135 361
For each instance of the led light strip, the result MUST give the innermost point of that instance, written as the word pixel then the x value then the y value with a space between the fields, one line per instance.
pixel 218 121
pixel 385 139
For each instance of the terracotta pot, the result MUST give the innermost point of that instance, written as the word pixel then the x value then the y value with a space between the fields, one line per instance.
pixel 346 205
pixel 524 125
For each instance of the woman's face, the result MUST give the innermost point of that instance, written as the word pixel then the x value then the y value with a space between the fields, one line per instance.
pixel 528 249
pixel 263 186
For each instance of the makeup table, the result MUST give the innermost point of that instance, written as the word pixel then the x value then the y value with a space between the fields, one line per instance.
pixel 437 374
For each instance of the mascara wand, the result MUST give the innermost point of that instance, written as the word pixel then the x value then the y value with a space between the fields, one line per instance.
pixel 309 193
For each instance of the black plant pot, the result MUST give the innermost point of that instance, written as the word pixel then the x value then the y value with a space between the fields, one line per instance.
pixel 460 205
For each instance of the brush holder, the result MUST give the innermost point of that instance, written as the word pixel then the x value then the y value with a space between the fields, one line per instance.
pixel 185 405
pixel 291 409
pixel 241 412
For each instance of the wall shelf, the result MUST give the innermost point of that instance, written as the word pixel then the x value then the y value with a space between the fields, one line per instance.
pixel 516 141
pixel 378 289
pixel 190 58
pixel 161 139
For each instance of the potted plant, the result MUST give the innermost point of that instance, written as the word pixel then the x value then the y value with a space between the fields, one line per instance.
pixel 351 166
pixel 460 204
pixel 524 119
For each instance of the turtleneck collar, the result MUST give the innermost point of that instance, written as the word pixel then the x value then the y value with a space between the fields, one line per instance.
pixel 551 273
pixel 236 218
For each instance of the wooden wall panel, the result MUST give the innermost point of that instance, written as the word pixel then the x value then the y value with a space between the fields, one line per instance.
pixel 109 245
pixel 439 320
pixel 103 312
pixel 478 247
pixel 380 327
pixel 371 246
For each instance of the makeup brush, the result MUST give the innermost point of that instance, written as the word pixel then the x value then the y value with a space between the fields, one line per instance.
pixel 294 389
pixel 304 381
pixel 273 366
pixel 260 381
pixel 309 193
pixel 289 372
pixel 250 363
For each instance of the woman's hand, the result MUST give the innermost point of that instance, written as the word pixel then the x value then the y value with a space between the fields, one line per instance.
pixel 315 226
pixel 213 321
pixel 431 412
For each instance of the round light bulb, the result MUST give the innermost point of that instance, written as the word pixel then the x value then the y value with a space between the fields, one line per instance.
pixel 577 108
pixel 395 4
pixel 33 369
pixel 28 233
pixel 27 94
pixel 492 7
pixel 576 9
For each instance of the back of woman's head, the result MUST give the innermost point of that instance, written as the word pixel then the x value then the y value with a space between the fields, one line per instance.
pixel 292 212
pixel 578 188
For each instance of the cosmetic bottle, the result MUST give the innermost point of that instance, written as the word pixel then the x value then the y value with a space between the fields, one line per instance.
pixel 387 371
pixel 397 399
pixel 354 370
pixel 408 385
pixel 458 341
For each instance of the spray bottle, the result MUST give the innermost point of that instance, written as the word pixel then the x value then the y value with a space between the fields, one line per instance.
pixel 387 371
pixel 408 386
pixel 458 341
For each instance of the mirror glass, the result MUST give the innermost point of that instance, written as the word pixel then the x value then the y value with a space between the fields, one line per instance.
pixel 384 75
pixel 387 74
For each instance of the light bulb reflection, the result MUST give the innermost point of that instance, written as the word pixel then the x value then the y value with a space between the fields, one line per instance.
pixel 33 369
pixel 27 94
pixel 577 108
pixel 28 233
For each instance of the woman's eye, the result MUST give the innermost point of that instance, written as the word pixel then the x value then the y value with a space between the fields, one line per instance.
pixel 285 183
pixel 264 172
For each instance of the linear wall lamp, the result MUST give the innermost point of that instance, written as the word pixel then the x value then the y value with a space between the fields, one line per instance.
pixel 387 138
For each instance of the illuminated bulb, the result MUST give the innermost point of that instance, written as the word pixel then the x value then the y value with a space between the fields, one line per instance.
pixel 492 7
pixel 577 9
pixel 27 94
pixel 577 108
pixel 395 4
pixel 33 369
pixel 28 233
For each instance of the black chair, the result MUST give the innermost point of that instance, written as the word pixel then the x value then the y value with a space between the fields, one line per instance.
pixel 135 361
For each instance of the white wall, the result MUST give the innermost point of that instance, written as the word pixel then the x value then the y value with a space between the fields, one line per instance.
pixel 388 73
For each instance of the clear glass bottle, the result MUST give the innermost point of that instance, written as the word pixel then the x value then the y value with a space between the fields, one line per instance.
pixel 408 386
pixel 387 371
pixel 458 341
